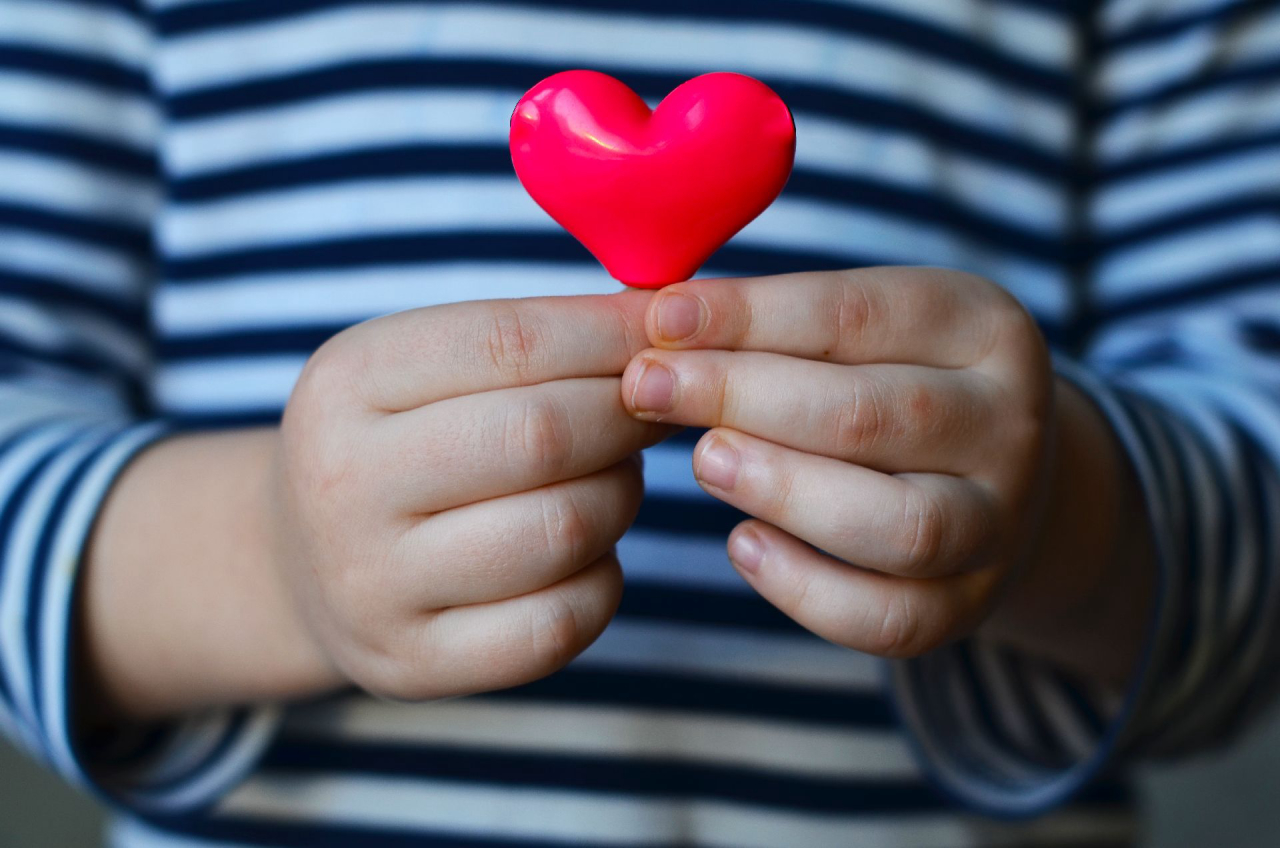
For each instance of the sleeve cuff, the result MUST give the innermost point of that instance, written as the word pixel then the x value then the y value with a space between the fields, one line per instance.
pixel 182 766
pixel 1012 738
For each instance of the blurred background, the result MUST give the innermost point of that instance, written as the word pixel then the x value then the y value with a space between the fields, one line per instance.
pixel 1230 800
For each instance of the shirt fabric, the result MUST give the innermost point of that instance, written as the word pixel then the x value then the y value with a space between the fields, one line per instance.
pixel 194 194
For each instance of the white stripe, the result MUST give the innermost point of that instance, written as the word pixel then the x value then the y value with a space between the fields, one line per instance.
pixel 478 31
pixel 94 269
pixel 616 732
pixel 733 654
pixel 347 296
pixel 694 561
pixel 58 104
pixel 91 31
pixel 381 119
pixel 619 820
pixel 1165 265
pixel 48 183
pixel 227 385
pixel 27 399
pixel 337 123
pixel 668 470
pixel 129 833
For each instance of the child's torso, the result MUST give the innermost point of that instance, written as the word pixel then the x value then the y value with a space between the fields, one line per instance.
pixel 327 162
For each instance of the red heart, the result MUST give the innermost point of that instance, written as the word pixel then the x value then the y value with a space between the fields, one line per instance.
pixel 652 194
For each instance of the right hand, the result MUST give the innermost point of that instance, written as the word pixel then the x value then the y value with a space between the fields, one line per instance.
pixel 449 485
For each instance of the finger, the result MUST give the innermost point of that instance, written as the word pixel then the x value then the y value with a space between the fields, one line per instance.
pixel 920 316
pixel 912 525
pixel 871 612
pixel 518 544
pixel 889 417
pixel 473 448
pixel 413 358
pixel 482 647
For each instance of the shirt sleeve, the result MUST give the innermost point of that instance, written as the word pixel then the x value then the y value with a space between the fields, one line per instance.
pixel 79 188
pixel 1181 353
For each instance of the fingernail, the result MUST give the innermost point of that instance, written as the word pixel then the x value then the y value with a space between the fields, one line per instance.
pixel 679 317
pixel 654 388
pixel 718 465
pixel 746 551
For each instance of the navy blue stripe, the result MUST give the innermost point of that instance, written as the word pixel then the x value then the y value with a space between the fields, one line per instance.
pixel 1260 334
pixel 495 160
pixel 97 231
pixel 45 61
pixel 911 34
pixel 1231 14
pixel 426 73
pixel 688 516
pixel 53 293
pixel 133 8
pixel 232 419
pixel 661 601
pixel 687 693
pixel 290 340
pixel 83 361
pixel 512 247
pixel 1210 287
pixel 42 563
pixel 263 832
pixel 79 150
pixel 300 835
pixel 637 778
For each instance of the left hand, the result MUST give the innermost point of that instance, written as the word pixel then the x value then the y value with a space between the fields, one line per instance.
pixel 897 420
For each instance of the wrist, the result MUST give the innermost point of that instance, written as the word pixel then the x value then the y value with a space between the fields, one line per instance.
pixel 1081 596
pixel 180 604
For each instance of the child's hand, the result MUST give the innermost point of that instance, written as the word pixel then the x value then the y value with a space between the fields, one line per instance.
pixel 450 485
pixel 897 419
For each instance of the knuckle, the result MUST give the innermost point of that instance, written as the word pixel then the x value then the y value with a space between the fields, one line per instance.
pixel 923 533
pixel 398 677
pixel 555 636
pixel 899 629
pixel 861 421
pixel 511 342
pixel 332 370
pixel 852 311
pixel 540 436
pixel 567 532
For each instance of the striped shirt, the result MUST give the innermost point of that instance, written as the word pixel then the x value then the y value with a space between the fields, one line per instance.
pixel 194 194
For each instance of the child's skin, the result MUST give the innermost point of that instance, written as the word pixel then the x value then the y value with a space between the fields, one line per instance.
pixel 436 514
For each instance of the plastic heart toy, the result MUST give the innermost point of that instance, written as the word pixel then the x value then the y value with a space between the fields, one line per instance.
pixel 652 194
